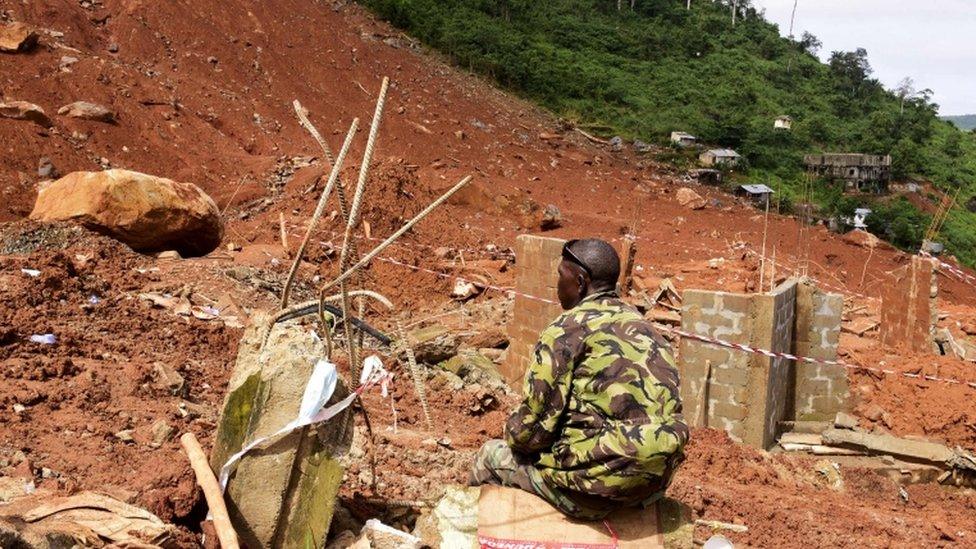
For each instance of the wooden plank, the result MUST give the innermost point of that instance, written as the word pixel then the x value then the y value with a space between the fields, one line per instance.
pixel 513 515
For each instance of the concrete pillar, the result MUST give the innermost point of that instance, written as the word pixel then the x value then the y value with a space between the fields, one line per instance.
pixel 282 496
pixel 536 261
pixel 908 312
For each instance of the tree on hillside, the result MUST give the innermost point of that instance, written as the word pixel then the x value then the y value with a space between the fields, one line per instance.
pixel 851 69
pixel 905 90
pixel 810 43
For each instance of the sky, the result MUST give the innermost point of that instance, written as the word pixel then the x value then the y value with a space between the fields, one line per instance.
pixel 931 41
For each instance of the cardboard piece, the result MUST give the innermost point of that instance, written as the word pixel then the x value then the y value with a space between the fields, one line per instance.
pixel 512 517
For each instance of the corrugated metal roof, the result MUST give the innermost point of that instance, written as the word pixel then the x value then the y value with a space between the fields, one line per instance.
pixel 723 152
pixel 756 189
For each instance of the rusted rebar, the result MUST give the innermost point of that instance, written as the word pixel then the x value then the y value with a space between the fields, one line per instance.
pixel 319 208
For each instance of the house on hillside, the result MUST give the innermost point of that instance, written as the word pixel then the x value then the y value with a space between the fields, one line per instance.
pixel 683 139
pixel 757 193
pixel 860 172
pixel 719 157
pixel 783 123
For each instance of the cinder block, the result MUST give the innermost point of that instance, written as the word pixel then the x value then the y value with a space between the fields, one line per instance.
pixel 729 411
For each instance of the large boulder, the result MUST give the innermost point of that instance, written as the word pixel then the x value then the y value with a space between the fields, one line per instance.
pixel 690 199
pixel 17 37
pixel 148 213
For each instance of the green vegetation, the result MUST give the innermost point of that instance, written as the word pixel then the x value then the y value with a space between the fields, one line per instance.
pixel 658 67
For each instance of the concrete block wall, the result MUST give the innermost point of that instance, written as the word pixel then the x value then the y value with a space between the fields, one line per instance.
pixel 775 317
pixel 749 394
pixel 821 390
pixel 723 316
pixel 908 312
pixel 536 259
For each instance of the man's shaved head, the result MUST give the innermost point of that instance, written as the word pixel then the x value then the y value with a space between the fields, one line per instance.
pixel 601 259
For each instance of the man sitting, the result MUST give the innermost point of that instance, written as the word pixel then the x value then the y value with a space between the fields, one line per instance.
pixel 600 426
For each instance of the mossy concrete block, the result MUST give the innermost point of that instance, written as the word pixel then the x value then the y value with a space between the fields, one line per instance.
pixel 282 496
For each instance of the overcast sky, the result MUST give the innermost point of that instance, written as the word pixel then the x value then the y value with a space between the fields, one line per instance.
pixel 932 41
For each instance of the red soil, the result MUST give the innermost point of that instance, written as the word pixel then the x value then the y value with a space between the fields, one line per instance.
pixel 203 91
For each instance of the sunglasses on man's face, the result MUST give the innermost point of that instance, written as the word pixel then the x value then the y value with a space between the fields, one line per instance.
pixel 568 255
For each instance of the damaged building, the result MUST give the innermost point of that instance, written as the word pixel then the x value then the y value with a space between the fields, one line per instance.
pixel 862 173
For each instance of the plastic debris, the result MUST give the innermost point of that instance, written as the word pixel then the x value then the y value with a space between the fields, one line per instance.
pixel 94 300
pixel 44 339
pixel 33 273
pixel 718 541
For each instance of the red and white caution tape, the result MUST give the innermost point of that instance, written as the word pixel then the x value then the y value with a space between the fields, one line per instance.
pixel 797 358
pixel 722 343
pixel 959 273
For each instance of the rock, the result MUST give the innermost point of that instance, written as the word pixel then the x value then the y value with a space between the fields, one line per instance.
pixel 148 213
pixel 66 62
pixel 233 247
pixel 453 522
pixel 865 239
pixel 464 290
pixel 113 48
pixel 845 421
pixel 551 218
pixel 161 432
pixel 831 473
pixel 616 143
pixel 433 344
pixel 191 411
pixel 166 378
pixel 874 412
pixel 443 252
pixel 169 255
pixel 381 536
pixel 690 199
pixel 495 355
pixel 46 169
pixel 491 337
pixel 343 540
pixel 22 110
pixel 125 435
pixel 11 488
pixel 88 111
pixel 641 147
pixel 17 37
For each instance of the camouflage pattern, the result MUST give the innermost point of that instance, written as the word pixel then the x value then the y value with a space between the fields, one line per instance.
pixel 496 464
pixel 601 418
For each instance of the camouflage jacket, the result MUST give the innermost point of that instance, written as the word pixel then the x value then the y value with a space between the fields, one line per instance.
pixel 602 414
